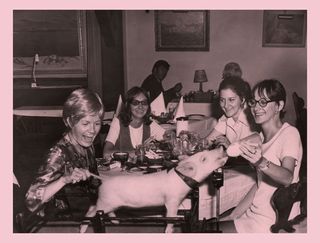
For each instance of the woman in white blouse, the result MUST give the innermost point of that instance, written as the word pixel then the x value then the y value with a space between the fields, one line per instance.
pixel 133 126
pixel 277 160
pixel 237 122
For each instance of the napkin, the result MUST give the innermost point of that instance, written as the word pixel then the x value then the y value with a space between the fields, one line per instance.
pixel 179 110
pixel 157 106
pixel 15 181
pixel 119 107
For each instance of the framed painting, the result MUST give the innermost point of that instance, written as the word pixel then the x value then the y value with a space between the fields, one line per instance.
pixel 57 36
pixel 182 30
pixel 284 28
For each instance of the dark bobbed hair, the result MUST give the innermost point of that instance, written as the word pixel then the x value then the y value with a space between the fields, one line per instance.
pixel 232 69
pixel 160 63
pixel 80 103
pixel 274 90
pixel 125 115
pixel 243 90
pixel 237 85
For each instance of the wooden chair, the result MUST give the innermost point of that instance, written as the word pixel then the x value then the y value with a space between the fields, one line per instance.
pixel 282 202
pixel 284 197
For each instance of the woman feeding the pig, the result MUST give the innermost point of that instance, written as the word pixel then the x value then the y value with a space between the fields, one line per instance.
pixel 237 122
pixel 277 160
pixel 133 126
pixel 70 163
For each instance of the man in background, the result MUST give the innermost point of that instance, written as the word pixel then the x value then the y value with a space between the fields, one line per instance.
pixel 153 83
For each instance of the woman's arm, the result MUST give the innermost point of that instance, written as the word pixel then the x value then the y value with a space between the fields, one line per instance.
pixel 52 176
pixel 108 149
pixel 111 138
pixel 213 135
pixel 52 188
pixel 281 174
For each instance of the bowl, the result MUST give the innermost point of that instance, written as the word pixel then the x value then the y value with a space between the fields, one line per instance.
pixel 120 156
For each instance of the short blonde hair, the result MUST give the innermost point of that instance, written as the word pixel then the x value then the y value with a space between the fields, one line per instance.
pixel 80 103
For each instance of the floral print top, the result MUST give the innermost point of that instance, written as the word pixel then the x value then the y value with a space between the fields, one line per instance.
pixel 60 158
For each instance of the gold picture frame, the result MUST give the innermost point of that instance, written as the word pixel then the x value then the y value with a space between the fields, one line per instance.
pixel 57 36
pixel 182 30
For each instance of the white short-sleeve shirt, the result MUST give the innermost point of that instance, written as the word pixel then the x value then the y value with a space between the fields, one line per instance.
pixel 234 130
pixel 260 215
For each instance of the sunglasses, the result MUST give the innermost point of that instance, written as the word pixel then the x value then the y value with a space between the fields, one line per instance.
pixel 137 102
pixel 262 102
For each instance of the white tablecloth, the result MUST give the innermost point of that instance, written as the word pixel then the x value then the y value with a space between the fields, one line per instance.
pixel 47 111
pixel 237 182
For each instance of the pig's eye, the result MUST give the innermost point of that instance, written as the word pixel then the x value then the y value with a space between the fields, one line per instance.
pixel 203 159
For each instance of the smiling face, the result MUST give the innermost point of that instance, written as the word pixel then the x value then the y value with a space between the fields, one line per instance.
pixel 140 109
pixel 230 103
pixel 265 114
pixel 86 129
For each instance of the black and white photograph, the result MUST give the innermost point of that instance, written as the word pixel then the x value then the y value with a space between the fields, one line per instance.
pixel 159 121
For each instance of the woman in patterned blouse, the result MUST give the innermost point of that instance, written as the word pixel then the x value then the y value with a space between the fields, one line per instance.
pixel 70 162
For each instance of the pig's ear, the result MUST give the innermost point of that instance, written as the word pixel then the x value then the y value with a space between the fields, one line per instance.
pixel 187 169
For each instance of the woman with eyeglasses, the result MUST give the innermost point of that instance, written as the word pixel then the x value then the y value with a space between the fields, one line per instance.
pixel 277 160
pixel 237 122
pixel 133 126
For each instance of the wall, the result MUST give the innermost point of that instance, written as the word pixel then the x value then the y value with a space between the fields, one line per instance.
pixel 234 36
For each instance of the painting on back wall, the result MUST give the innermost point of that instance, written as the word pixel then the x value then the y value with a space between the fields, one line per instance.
pixel 57 36
pixel 285 28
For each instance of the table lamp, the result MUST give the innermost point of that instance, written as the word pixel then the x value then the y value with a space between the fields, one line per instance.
pixel 200 77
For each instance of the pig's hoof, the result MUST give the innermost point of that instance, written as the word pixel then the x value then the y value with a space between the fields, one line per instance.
pixel 169 230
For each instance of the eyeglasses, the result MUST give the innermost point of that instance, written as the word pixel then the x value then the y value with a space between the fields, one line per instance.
pixel 262 102
pixel 137 102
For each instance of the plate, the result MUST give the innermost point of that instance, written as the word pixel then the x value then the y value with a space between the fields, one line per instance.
pixel 155 166
pixel 143 167
pixel 168 126
pixel 196 117
pixel 135 169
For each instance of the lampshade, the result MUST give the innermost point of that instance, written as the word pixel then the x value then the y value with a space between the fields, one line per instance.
pixel 200 77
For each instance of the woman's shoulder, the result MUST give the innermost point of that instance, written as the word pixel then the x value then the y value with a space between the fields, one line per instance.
pixel 289 129
pixel 59 148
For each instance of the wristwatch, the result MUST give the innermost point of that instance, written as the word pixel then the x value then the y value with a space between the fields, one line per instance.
pixel 265 166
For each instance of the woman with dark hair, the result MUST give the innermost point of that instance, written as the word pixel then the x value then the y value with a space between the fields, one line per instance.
pixel 133 126
pixel 71 161
pixel 231 69
pixel 237 122
pixel 277 160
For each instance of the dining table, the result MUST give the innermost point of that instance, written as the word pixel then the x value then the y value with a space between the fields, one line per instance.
pixel 47 111
pixel 200 124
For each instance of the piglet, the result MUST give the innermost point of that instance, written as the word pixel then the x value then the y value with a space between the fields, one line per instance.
pixel 167 188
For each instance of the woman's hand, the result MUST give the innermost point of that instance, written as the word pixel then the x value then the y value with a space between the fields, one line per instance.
pixel 77 174
pixel 221 141
pixel 251 151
